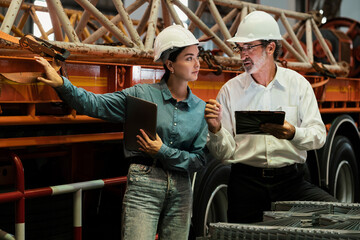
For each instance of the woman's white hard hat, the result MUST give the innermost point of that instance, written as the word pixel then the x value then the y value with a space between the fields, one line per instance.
pixel 257 25
pixel 174 36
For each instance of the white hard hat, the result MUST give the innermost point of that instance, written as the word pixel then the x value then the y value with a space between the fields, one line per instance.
pixel 257 25
pixel 170 37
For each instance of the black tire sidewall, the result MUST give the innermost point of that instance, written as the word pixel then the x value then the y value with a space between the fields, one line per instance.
pixel 213 176
pixel 342 149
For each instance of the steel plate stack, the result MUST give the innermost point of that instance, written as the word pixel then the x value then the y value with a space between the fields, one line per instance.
pixel 298 220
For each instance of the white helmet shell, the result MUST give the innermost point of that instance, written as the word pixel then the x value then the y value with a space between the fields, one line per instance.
pixel 257 25
pixel 170 37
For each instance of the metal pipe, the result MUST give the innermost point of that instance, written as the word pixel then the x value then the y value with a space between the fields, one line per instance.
pixel 309 42
pixel 55 21
pixel 225 32
pixel 84 19
pixel 295 28
pixel 165 14
pixel 307 67
pixel 226 19
pixel 115 20
pixel 106 22
pixel 101 31
pixel 11 15
pixel 77 213
pixel 20 203
pixel 128 23
pixel 237 21
pixel 21 194
pixel 143 21
pixel 104 51
pixel 290 48
pixel 65 22
pixel 323 43
pixel 38 23
pixel 199 11
pixel 204 28
pixel 173 13
pixel 293 37
pixel 240 4
pixel 150 35
pixel 6 236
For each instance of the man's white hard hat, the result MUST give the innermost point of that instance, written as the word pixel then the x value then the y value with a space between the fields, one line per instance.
pixel 174 36
pixel 257 25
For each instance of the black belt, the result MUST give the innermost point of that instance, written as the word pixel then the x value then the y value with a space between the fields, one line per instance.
pixel 266 172
pixel 151 162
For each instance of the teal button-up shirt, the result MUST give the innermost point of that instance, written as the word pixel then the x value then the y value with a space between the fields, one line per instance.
pixel 180 125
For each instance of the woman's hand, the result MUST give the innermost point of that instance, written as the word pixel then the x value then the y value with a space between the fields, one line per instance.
pixel 213 115
pixel 52 77
pixel 149 146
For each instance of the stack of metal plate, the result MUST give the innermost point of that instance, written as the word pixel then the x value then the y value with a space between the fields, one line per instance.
pixel 298 220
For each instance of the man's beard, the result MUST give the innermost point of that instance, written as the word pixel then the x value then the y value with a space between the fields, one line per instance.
pixel 252 67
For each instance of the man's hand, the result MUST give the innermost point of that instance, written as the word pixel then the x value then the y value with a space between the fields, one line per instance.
pixel 213 115
pixel 285 131
pixel 53 78
pixel 149 146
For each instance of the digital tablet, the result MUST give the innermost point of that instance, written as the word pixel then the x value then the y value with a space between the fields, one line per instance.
pixel 248 122
pixel 140 114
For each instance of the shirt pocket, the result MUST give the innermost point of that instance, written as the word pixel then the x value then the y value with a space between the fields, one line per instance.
pixel 291 114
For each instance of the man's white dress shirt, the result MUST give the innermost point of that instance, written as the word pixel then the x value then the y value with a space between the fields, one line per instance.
pixel 288 91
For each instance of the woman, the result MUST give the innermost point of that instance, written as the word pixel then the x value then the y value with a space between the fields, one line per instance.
pixel 158 195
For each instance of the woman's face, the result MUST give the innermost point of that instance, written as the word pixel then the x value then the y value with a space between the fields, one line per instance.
pixel 187 65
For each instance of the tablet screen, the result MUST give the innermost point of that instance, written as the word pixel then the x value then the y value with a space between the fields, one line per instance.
pixel 248 122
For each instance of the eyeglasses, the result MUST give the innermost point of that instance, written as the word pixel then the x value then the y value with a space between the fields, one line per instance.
pixel 246 48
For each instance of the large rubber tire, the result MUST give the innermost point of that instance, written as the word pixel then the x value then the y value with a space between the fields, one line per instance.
pixel 210 197
pixel 343 171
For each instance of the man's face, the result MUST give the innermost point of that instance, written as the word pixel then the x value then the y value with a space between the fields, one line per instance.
pixel 253 56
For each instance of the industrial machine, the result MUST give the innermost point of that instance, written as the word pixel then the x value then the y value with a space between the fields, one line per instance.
pixel 63 174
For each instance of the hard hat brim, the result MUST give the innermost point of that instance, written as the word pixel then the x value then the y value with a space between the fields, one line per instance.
pixel 244 40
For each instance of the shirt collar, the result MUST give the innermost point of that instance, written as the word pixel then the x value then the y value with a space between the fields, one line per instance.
pixel 250 83
pixel 190 101
pixel 278 80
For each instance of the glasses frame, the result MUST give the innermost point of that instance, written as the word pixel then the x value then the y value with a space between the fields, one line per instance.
pixel 247 49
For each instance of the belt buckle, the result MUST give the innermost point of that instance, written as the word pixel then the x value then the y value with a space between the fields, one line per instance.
pixel 268 173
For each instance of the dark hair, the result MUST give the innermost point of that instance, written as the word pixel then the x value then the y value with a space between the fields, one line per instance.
pixel 172 57
pixel 277 47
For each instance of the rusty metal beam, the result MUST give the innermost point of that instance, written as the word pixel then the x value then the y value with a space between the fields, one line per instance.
pixel 118 27
pixel 84 19
pixel 106 22
pixel 11 15
pixel 65 22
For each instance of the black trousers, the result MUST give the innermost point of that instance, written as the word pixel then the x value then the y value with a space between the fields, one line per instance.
pixel 252 190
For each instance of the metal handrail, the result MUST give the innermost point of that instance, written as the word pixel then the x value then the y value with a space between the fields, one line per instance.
pixel 20 195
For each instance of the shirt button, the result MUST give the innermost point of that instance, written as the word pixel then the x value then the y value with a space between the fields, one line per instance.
pixel 175 108
pixel 171 143
pixel 174 124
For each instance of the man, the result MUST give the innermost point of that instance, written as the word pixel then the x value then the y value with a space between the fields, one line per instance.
pixel 265 167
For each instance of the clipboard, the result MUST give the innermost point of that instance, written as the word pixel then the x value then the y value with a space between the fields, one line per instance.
pixel 248 122
pixel 140 114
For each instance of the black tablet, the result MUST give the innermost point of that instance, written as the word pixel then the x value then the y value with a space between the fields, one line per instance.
pixel 140 114
pixel 248 122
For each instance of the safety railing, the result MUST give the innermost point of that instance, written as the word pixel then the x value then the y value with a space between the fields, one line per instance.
pixel 20 195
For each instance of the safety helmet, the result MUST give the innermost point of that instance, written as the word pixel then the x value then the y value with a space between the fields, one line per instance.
pixel 174 36
pixel 257 25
